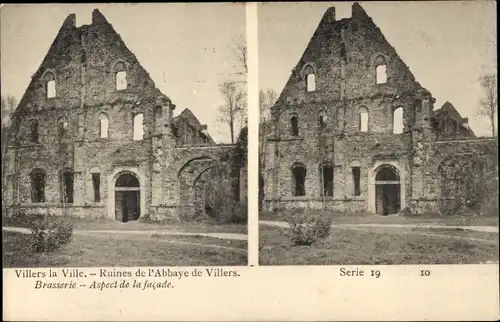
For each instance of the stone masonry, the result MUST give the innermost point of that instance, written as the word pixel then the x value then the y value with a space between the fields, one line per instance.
pixel 334 143
pixel 73 152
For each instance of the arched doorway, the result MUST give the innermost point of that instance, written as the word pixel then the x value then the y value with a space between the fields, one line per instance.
pixel 387 191
pixel 127 197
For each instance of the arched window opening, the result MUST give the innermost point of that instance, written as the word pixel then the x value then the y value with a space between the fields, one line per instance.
pixel 326 174
pixel 62 126
pixel 363 119
pixel 120 76
pixel 322 118
pixel 381 69
pixel 37 186
pixel 158 119
pixel 67 185
pixel 138 127
pixel 103 126
pixel 310 78
pixel 295 125
pixel 96 184
pixel 343 51
pixel 356 179
pixel 34 131
pixel 50 85
pixel 299 179
pixel 397 121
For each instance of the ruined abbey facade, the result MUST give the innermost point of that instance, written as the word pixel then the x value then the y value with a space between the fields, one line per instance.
pixel 353 130
pixel 93 136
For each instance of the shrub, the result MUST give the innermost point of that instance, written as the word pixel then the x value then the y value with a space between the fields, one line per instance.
pixel 305 230
pixel 322 227
pixel 47 237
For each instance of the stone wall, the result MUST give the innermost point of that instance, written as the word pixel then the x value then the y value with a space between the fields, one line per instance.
pixel 83 61
pixel 342 55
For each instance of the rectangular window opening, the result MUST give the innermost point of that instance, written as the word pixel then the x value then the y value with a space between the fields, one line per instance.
pixel 96 183
pixel 356 177
pixel 327 181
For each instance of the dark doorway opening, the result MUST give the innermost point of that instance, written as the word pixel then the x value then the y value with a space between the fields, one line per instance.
pixel 127 198
pixel 387 191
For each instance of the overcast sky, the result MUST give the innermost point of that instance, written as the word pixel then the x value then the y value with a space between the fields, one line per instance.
pixel 447 45
pixel 184 47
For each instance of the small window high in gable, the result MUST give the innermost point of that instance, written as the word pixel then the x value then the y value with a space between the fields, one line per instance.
pixel 50 84
pixel 381 69
pixel 310 77
pixel 120 76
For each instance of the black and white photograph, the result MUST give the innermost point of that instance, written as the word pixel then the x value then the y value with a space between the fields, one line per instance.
pixel 124 135
pixel 378 133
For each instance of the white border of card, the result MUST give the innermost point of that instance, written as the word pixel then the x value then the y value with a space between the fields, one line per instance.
pixel 253 292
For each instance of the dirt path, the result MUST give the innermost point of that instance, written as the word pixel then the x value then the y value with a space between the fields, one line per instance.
pixel 147 235
pixel 486 229
pixel 231 236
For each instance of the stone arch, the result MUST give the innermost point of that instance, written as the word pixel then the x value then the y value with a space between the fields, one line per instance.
pixel 463 182
pixel 49 74
pixel 374 56
pixel 188 173
pixel 308 68
pixel 115 63
pixel 205 190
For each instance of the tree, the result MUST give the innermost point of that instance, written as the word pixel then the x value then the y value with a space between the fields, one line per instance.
pixel 488 103
pixel 267 98
pixel 239 50
pixel 233 110
pixel 8 105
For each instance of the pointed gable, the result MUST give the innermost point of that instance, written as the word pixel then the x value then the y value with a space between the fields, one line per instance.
pixel 344 55
pixel 189 130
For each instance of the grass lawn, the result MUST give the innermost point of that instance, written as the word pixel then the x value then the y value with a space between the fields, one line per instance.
pixel 366 218
pixel 381 245
pixel 88 250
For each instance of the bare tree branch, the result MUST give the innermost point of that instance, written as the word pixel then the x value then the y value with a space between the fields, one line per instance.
pixel 488 104
pixel 233 111
pixel 239 49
